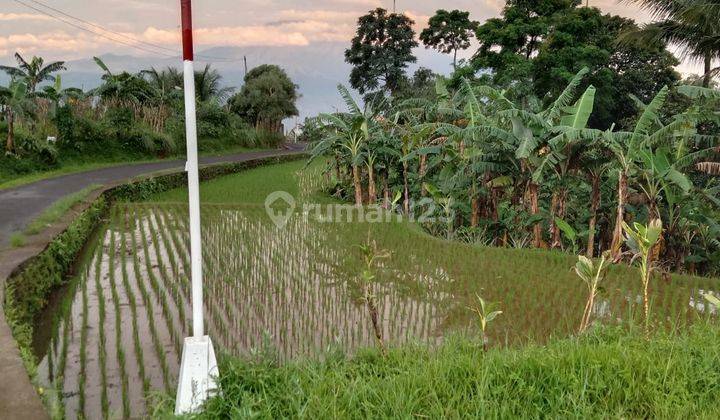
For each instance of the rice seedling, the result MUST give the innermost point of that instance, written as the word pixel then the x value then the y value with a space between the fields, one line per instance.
pixel 485 313
pixel 592 274
pixel 372 256
pixel 158 345
pixel 119 348
pixel 641 240
pixel 101 335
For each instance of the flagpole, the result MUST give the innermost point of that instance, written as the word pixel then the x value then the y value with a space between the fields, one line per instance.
pixel 198 368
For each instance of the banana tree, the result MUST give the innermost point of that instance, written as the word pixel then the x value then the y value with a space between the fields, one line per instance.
pixel 565 154
pixel 58 95
pixel 627 148
pixel 15 101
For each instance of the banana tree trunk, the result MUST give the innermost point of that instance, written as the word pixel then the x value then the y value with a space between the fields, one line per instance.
pixel 357 185
pixel 558 210
pixel 421 172
pixel 10 144
pixel 386 193
pixel 475 216
pixel 554 230
pixel 616 245
pixel 594 206
pixel 406 191
pixel 372 192
pixel 535 210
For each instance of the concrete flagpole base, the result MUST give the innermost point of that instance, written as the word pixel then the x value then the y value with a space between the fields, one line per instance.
pixel 198 375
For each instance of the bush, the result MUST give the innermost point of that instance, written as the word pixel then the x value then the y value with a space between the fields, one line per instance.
pixel 144 139
pixel 213 120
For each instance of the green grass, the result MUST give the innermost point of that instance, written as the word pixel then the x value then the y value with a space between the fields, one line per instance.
pixel 608 373
pixel 58 209
pixel 17 240
pixel 251 186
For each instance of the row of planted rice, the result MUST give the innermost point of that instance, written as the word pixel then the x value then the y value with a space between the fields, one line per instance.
pixel 118 337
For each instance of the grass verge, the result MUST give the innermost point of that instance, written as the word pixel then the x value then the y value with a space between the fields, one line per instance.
pixel 609 372
pixel 58 209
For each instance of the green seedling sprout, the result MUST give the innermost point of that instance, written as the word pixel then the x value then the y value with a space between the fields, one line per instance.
pixel 641 239
pixel 485 314
pixel 592 274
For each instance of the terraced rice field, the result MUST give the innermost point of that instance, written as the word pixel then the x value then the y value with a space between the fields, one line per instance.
pixel 117 329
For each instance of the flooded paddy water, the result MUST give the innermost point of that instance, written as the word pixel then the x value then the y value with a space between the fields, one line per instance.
pixel 116 330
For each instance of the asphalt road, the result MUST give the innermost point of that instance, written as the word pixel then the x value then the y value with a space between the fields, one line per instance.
pixel 20 205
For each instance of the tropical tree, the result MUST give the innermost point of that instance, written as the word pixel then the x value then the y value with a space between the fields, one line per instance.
pixel 15 102
pixel 690 24
pixel 267 97
pixel 208 85
pixel 122 87
pixel 33 72
pixel 449 32
pixel 348 136
pixel 58 95
pixel 540 45
pixel 381 51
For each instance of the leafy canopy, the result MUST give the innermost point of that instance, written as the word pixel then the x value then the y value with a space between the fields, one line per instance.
pixel 449 32
pixel 267 97
pixel 380 51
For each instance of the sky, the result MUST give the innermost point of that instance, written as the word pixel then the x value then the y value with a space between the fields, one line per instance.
pixel 237 23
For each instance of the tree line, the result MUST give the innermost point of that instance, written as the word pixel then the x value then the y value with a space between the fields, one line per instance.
pixel 533 151
pixel 133 115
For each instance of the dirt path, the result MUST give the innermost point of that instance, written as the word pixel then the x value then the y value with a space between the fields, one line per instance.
pixel 20 205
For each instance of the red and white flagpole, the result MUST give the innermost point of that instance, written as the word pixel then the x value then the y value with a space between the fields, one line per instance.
pixel 198 369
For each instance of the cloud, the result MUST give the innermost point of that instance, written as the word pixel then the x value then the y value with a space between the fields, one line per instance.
pixel 8 17
pixel 283 35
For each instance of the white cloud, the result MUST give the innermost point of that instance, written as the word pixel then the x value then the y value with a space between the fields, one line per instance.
pixel 7 17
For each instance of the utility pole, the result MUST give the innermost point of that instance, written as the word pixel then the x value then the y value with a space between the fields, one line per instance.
pixel 198 368
pixel 394 6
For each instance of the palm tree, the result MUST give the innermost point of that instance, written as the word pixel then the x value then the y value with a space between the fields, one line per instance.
pixel 693 25
pixel 15 102
pixel 34 72
pixel 208 85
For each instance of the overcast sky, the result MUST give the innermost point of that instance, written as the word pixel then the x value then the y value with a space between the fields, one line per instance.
pixel 217 22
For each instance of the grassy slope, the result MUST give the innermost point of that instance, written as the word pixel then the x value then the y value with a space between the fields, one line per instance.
pixel 611 373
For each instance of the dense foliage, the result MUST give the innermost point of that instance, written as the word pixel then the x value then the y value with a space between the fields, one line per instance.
pixel 267 97
pixel 515 175
pixel 560 128
pixel 545 43
pixel 129 116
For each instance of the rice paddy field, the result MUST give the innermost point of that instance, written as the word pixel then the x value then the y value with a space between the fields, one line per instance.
pixel 112 338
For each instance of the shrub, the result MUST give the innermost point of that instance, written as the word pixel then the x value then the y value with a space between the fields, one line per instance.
pixel 144 139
